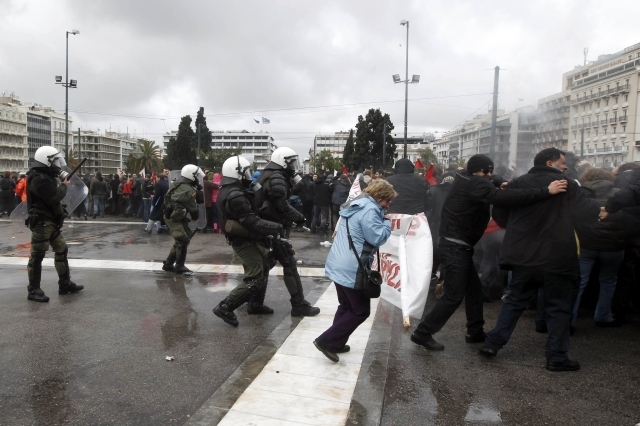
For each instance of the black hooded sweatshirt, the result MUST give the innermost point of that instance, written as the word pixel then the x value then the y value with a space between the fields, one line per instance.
pixel 411 189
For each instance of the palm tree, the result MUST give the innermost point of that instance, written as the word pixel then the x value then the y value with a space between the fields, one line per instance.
pixel 73 158
pixel 150 160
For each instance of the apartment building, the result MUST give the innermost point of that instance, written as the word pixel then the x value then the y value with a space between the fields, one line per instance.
pixel 14 155
pixel 256 146
pixel 333 142
pixel 106 153
pixel 552 127
pixel 604 104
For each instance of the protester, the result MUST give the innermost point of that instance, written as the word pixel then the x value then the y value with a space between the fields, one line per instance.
pixel 156 215
pixel 368 229
pixel 127 195
pixel 365 179
pixel 540 249
pixel 465 216
pixel 321 205
pixel 304 190
pixel 339 197
pixel 147 191
pixel 605 241
pixel 99 190
pixel 436 197
pixel 411 189
pixel 216 220
pixel 7 194
pixel 21 189
pixel 115 194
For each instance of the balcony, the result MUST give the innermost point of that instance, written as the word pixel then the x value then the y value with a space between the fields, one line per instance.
pixel 600 149
pixel 622 119
pixel 619 148
pixel 607 149
pixel 624 88
pixel 613 120
pixel 604 122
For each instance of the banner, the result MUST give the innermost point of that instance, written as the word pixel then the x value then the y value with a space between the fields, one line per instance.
pixel 406 260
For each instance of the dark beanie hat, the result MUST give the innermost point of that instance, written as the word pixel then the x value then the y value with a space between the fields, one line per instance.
pixel 479 162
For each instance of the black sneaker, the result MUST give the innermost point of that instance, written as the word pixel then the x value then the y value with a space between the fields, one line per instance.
pixel 487 351
pixel 331 355
pixel 429 343
pixel 566 365
pixel 183 270
pixel 37 295
pixel 475 338
pixel 541 328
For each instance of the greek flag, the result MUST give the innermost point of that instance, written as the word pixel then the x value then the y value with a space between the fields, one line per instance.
pixel 265 120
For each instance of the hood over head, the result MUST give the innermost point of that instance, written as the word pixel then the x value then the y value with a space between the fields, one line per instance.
pixel 404 166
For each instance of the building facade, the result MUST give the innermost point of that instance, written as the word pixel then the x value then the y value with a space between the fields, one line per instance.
pixel 14 144
pixel 106 153
pixel 552 126
pixel 256 146
pixel 332 142
pixel 604 108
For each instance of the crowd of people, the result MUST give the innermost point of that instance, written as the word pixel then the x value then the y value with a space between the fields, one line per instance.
pixel 562 236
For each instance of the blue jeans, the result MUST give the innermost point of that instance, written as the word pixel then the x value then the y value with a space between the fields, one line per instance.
pixel 522 288
pixel 610 262
pixel 462 283
pixel 98 205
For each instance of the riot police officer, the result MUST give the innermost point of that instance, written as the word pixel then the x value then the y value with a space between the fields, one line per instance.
pixel 46 216
pixel 247 235
pixel 276 181
pixel 181 206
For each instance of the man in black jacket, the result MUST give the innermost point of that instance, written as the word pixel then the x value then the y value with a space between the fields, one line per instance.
pixel 304 190
pixel 411 189
pixel 322 205
pixel 540 248
pixel 465 216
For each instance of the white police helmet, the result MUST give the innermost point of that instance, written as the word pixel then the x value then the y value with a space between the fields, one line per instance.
pixel 48 156
pixel 287 158
pixel 238 168
pixel 192 173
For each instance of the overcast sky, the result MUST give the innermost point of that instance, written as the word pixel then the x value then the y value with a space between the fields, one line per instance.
pixel 137 61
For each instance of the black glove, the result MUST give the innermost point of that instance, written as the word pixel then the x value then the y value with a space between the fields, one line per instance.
pixel 199 197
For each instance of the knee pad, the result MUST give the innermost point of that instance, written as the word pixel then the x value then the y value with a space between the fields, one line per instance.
pixel 38 255
pixel 62 255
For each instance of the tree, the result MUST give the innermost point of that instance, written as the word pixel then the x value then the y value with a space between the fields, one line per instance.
pixel 347 155
pixel 150 160
pixel 369 137
pixel 427 156
pixel 180 151
pixel 205 133
pixel 73 158
pixel 325 159
pixel 214 158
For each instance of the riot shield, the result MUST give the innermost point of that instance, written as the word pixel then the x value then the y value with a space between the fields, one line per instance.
pixel 202 211
pixel 19 214
pixel 77 191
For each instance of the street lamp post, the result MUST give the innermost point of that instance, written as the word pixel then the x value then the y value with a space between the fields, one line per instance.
pixel 414 80
pixel 73 84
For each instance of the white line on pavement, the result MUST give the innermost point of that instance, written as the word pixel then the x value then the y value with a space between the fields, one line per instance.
pixel 152 266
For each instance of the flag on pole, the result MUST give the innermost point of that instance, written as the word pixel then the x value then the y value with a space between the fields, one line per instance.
pixel 419 164
pixel 142 173
pixel 265 120
pixel 257 121
pixel 429 177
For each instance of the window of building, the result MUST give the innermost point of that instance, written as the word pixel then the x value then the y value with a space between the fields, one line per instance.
pixel 613 129
pixel 615 100
pixel 624 129
pixel 626 98
pixel 606 102
pixel 605 130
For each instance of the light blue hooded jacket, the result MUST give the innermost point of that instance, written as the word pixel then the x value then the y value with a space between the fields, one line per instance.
pixel 366 222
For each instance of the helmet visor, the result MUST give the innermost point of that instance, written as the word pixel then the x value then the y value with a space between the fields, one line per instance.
pixel 292 163
pixel 58 161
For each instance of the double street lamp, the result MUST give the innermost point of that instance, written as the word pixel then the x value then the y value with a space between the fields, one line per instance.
pixel 414 80
pixel 73 84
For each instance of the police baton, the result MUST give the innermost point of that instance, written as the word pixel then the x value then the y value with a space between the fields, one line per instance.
pixel 70 175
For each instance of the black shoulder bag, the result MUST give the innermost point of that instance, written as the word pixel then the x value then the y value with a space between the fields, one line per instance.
pixel 368 281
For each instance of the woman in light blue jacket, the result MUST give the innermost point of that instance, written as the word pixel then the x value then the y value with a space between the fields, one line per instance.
pixel 365 217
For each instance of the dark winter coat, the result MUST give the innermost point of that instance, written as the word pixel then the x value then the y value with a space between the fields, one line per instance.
pixel 466 211
pixel 115 183
pixel 436 197
pixel 159 191
pixel 322 192
pixel 304 189
pixel 411 189
pixel 606 235
pixel 341 191
pixel 626 197
pixel 99 187
pixel 542 234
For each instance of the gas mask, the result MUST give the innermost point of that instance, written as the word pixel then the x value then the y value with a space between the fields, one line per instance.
pixel 57 165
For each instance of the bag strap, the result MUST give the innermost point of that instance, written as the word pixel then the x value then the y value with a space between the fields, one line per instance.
pixel 353 248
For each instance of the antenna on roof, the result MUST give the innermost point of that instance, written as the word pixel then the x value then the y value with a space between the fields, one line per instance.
pixel 585 51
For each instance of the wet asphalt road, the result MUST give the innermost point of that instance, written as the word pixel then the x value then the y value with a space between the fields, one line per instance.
pixel 99 357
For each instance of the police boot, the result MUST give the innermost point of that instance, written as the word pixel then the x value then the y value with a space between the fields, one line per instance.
pixel 224 310
pixel 66 286
pixel 167 265
pixel 301 308
pixel 256 305
pixel 180 268
pixel 36 294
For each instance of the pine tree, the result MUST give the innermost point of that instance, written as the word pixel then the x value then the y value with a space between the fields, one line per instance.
pixel 205 133
pixel 369 138
pixel 180 150
pixel 348 152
